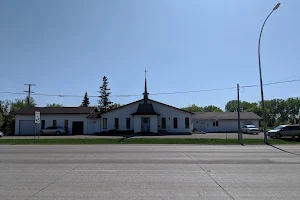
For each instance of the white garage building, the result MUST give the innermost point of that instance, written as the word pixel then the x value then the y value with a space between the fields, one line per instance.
pixel 223 121
pixel 75 119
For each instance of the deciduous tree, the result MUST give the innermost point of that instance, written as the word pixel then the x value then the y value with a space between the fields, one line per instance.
pixel 54 105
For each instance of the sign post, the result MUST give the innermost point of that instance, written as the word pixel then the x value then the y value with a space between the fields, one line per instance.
pixel 37 121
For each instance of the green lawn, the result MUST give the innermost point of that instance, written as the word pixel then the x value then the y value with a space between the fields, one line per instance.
pixel 206 141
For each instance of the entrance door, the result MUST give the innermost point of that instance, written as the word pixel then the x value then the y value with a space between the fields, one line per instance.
pixel 145 124
pixel 77 128
pixel 202 126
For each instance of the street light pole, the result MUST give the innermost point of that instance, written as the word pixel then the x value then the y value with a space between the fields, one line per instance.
pixel 261 82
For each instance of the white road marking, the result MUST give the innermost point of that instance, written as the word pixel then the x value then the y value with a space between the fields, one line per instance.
pixel 130 170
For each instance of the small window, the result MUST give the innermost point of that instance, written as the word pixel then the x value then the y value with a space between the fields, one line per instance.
pixel 216 123
pixel 128 123
pixel 54 123
pixel 43 124
pixel 163 123
pixel 175 122
pixel 116 123
pixel 187 122
pixel 66 124
pixel 104 123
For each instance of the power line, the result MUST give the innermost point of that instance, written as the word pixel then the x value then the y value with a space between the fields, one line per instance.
pixel 162 93
pixel 11 92
pixel 272 83
pixel 290 77
pixel 195 91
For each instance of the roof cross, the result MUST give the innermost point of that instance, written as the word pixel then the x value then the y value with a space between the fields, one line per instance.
pixel 146 73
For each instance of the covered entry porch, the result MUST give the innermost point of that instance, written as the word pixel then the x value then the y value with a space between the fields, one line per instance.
pixel 145 123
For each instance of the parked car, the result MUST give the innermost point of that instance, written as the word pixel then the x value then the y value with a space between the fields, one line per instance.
pixel 249 128
pixel 53 130
pixel 1 134
pixel 285 130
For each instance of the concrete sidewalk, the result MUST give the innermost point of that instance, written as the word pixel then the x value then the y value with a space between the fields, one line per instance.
pixel 207 135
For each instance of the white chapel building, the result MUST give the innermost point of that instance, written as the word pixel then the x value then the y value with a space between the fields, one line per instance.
pixel 147 115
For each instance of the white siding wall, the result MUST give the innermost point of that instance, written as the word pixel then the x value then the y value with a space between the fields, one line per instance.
pixel 60 120
pixel 169 113
pixel 153 121
pixel 224 125
pixel 122 114
pixel 165 111
pixel 137 126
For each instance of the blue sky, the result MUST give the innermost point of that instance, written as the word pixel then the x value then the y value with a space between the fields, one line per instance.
pixel 67 46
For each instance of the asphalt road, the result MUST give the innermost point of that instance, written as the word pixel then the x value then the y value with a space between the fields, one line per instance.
pixel 139 172
pixel 207 135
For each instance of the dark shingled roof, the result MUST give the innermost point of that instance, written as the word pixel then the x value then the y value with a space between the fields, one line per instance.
pixel 54 110
pixel 224 116
pixel 145 109
pixel 149 100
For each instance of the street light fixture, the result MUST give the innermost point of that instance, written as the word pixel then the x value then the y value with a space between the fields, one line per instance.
pixel 261 83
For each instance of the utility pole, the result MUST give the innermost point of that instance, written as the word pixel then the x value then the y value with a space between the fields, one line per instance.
pixel 29 92
pixel 240 137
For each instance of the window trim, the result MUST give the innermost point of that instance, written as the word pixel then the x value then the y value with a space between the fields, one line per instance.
pixel 104 123
pixel 163 125
pixel 116 123
pixel 128 123
pixel 175 122
pixel 187 122
pixel 43 124
pixel 216 123
pixel 66 124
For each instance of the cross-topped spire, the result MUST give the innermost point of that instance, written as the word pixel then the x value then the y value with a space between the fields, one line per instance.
pixel 145 91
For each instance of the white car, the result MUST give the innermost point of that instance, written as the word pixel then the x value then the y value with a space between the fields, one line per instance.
pixel 52 130
pixel 1 134
pixel 249 128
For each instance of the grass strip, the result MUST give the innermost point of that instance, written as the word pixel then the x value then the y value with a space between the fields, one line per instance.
pixel 205 141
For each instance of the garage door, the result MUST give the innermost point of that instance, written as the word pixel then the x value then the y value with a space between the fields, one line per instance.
pixel 27 127
pixel 77 128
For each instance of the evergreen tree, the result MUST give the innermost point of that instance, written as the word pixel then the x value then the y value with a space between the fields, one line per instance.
pixel 104 102
pixel 86 100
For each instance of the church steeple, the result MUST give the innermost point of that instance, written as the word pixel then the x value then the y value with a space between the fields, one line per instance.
pixel 145 90
pixel 145 108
